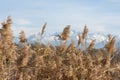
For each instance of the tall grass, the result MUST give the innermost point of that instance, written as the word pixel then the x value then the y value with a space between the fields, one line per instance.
pixel 61 62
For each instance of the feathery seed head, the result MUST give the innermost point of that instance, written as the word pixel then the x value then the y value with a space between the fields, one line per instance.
pixel 84 34
pixel 66 33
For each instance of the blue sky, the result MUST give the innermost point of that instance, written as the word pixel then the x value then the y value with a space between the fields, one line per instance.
pixel 30 15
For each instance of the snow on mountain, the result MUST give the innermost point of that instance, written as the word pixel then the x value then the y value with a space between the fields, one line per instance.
pixel 100 38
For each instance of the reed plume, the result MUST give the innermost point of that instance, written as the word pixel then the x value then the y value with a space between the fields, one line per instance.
pixel 9 20
pixel 84 35
pixel 63 47
pixel 110 46
pixel 22 37
pixel 109 37
pixel 80 40
pixel 92 45
pixel 66 33
pixel 85 31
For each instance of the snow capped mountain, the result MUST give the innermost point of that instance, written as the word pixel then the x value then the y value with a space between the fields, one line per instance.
pixel 101 39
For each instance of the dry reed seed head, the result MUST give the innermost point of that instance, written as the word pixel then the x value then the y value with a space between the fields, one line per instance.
pixel 59 60
pixel 5 26
pixel 47 49
pixel 109 37
pixel 72 47
pixel 9 20
pixel 6 37
pixel 22 37
pixel 84 34
pixel 40 60
pixel 92 45
pixel 80 40
pixel 72 43
pixel 63 47
pixel 113 45
pixel 12 46
pixel 25 61
pixel 38 46
pixel 110 46
pixel 66 33
pixel 100 54
pixel 70 72
pixel 26 47
pixel 43 29
pixel 53 64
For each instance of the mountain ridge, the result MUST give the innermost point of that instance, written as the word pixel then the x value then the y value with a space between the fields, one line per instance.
pixel 100 38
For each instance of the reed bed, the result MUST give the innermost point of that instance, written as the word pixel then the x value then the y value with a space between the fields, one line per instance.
pixel 25 61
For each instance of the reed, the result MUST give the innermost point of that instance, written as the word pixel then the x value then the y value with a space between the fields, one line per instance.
pixel 61 62
pixel 66 33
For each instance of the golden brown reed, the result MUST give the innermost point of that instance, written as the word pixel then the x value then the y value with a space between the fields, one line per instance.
pixel 22 37
pixel 80 39
pixel 85 32
pixel 50 62
pixel 66 33
pixel 110 48
pixel 92 45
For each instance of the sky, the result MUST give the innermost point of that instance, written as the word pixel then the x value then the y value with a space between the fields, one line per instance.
pixel 30 15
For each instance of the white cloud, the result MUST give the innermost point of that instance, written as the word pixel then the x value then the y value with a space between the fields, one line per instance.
pixel 22 22
pixel 109 19
pixel 114 1
pixel 100 28
pixel 28 30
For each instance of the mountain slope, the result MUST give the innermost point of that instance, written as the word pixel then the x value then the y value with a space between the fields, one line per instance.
pixel 100 38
